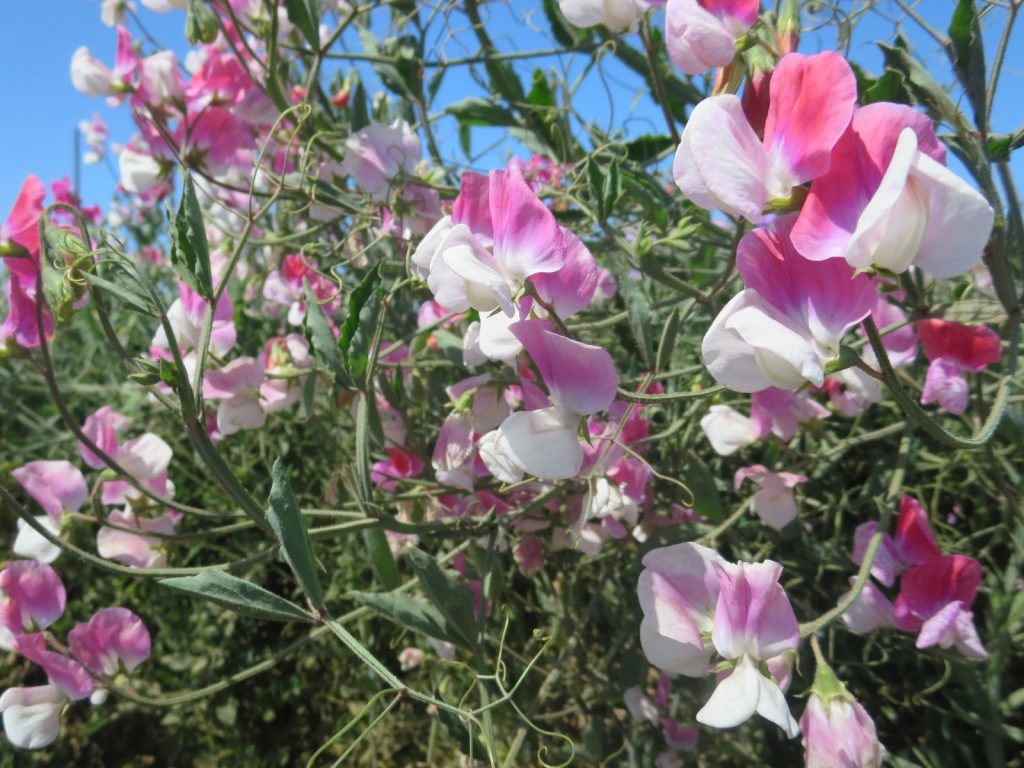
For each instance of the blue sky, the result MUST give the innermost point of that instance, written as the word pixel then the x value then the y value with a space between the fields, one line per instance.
pixel 43 109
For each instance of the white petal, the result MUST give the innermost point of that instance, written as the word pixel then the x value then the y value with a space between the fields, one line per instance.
pixel 31 544
pixel 771 705
pixel 735 699
pixel 543 444
pixel 31 715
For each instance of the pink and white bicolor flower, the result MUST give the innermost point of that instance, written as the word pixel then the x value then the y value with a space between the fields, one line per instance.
pixel 786 325
pixel 379 155
pixel 58 487
pixel 721 164
pixel 112 638
pixel 702 34
pixel 754 622
pixel 498 235
pixel 888 200
pixel 678 590
pixel 581 380
pixel 32 715
pixel 32 597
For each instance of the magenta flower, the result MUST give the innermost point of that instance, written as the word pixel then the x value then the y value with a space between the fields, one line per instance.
pixel 787 324
pixel 721 164
pixel 702 34
pixel 889 201
pixel 401 464
pixel 952 349
pixel 112 638
pixel 913 543
pixel 936 597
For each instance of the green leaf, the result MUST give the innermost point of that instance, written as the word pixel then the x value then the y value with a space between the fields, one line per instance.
pixel 446 590
pixel 476 111
pixel 888 87
pixel 321 339
pixel 290 528
pixel 667 343
pixel 706 499
pixel 922 87
pixel 968 55
pixel 648 147
pixel 135 301
pixel 241 596
pixel 356 333
pixel 540 94
pixel 190 252
pixel 305 14
pixel 639 310
pixel 201 23
pixel 406 611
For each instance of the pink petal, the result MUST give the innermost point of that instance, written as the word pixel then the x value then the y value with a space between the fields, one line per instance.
pixel 527 239
pixel 473 206
pixel 35 596
pixel 812 102
pixel 753 614
pixel 58 486
pixel 945 384
pixel 926 589
pixel 580 377
pixel 823 297
pixel 68 675
pixel 870 611
pixel 972 346
pixel 112 637
pixel 914 539
pixel 727 429
pixel 721 163
pixel 22 225
pixel 101 428
pixel 698 38
pixel 571 288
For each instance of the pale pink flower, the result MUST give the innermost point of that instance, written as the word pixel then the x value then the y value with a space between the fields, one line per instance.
pixel 237 386
pixel 160 79
pixel 727 429
pixel 870 611
pixel 32 715
pixel 678 590
pixel 888 200
pixel 782 412
pixel 95 133
pixel 617 15
pixel 774 502
pixel 379 156
pixel 702 34
pixel 67 674
pixel 58 486
pixel 839 733
pixel 32 597
pixel 721 164
pixel 639 705
pixel 410 658
pixel 137 550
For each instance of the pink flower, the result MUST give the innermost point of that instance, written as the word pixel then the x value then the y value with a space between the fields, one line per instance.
pixel 702 34
pixel 839 733
pixel 753 623
pixel 678 590
pixel 774 502
pixel 936 597
pixel 22 227
pixel 112 638
pixel 410 658
pixel 237 386
pixel 67 674
pixel 160 79
pixel 32 715
pixel 727 429
pixel 21 325
pixel 953 348
pixel 32 596
pixel 888 200
pixel 58 486
pixel 870 611
pixel 135 549
pixel 140 171
pixel 400 465
pixel 581 380
pixel 379 156
pixel 782 412
pixel 913 543
pixel 722 164
pixel 787 324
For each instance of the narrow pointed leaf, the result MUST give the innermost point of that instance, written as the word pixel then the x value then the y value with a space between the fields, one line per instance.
pixel 190 251
pixel 290 528
pixel 241 596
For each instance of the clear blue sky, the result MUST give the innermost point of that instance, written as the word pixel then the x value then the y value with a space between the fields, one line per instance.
pixel 42 109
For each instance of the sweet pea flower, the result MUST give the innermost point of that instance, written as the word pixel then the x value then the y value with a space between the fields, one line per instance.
pixel 32 597
pixel 721 164
pixel 379 155
pixel 137 550
pixel 165 6
pixel 753 623
pixel 837 731
pixel 953 348
pixel 89 75
pixel 401 464
pixel 237 386
pixel 871 610
pixel 727 429
pixel 702 34
pixel 617 15
pixel 912 544
pixel 678 590
pixel 782 412
pixel 32 715
pixel 786 325
pixel 888 201
pixel 66 674
pixel 21 228
pixel 185 316
pixel 160 79
pixel 774 502
pixel 936 597
pixel 581 380
pixel 139 170
pixel 498 235
pixel 57 486
pixel 112 638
